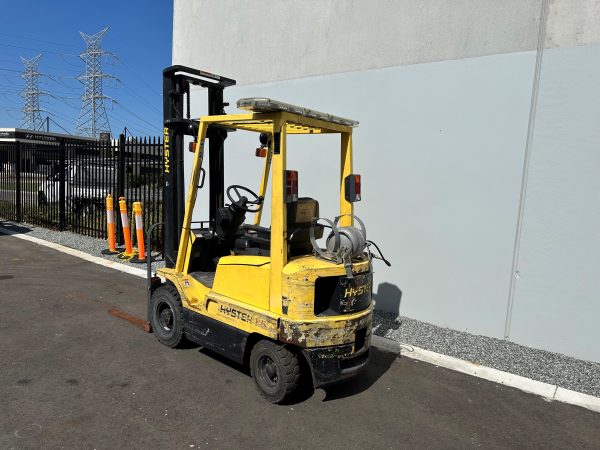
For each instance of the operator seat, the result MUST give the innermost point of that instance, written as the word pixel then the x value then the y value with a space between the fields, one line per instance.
pixel 257 240
pixel 300 215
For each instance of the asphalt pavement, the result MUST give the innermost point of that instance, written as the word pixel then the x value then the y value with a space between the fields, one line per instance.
pixel 75 374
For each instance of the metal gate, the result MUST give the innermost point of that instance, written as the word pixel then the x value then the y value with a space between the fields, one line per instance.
pixel 62 184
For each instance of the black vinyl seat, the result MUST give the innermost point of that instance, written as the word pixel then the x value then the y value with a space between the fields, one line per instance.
pixel 256 240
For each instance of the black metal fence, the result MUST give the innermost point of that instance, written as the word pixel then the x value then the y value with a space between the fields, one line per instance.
pixel 63 185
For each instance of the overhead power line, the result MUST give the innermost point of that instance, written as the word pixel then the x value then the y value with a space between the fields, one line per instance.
pixel 38 40
pixel 22 47
pixel 139 77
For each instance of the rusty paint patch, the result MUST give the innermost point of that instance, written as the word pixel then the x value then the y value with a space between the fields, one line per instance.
pixel 337 352
pixel 136 321
pixel 320 334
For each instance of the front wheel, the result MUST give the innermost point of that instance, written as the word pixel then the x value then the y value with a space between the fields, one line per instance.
pixel 276 371
pixel 166 316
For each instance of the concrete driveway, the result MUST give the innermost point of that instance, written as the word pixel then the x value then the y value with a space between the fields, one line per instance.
pixel 72 375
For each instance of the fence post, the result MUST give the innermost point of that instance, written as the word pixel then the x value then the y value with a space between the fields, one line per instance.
pixel 120 179
pixel 18 180
pixel 62 201
pixel 121 167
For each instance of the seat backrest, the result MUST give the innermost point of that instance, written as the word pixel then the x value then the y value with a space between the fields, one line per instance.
pixel 302 211
pixel 299 218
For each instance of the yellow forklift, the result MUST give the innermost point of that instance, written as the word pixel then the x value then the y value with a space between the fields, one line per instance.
pixel 271 298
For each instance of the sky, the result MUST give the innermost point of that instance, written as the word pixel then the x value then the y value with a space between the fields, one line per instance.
pixel 139 35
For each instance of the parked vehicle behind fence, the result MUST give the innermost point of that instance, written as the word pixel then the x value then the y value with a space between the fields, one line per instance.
pixel 85 187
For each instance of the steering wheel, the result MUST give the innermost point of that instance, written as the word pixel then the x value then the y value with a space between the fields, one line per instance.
pixel 242 201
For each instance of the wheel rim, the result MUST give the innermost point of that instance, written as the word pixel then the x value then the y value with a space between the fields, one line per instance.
pixel 267 371
pixel 165 316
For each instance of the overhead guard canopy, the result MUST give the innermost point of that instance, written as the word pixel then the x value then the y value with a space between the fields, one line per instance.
pixel 265 111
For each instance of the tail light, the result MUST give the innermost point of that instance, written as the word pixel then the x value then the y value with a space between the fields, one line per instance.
pixel 193 146
pixel 352 188
pixel 291 186
pixel 261 152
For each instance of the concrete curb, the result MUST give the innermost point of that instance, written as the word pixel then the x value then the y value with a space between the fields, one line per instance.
pixel 79 254
pixel 548 391
pixel 545 390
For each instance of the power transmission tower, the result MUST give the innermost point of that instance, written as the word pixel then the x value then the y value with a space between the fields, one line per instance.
pixel 32 119
pixel 92 118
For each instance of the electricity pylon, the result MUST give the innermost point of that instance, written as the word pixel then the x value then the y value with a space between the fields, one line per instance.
pixel 92 118
pixel 31 119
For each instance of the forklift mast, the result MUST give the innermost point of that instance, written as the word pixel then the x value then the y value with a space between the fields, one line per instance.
pixel 176 83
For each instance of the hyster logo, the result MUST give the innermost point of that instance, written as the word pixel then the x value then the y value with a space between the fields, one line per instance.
pixel 355 292
pixel 235 313
pixel 166 149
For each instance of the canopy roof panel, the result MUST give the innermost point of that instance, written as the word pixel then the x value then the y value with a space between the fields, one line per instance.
pixel 265 112
pixel 260 104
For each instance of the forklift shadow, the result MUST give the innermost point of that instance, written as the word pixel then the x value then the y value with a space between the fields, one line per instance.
pixel 380 361
pixel 388 298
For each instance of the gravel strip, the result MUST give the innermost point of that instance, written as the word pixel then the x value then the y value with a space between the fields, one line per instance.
pixel 541 365
pixel 85 244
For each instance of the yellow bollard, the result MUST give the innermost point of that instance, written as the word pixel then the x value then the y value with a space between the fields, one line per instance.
pixel 126 230
pixel 110 227
pixel 139 231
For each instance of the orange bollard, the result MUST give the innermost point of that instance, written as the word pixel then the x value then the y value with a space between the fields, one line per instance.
pixel 126 230
pixel 110 226
pixel 139 231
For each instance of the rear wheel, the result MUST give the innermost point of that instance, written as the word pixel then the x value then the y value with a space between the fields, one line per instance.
pixel 166 316
pixel 276 371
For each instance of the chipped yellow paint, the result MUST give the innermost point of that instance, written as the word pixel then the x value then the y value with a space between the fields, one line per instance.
pixel 241 315
pixel 299 277
pixel 325 331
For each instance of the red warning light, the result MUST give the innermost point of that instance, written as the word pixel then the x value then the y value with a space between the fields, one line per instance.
pixel 291 186
pixel 352 188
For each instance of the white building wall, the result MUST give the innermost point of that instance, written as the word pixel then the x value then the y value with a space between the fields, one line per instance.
pixel 442 91
pixel 556 300
pixel 262 40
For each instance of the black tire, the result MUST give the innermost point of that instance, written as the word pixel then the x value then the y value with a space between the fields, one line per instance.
pixel 166 316
pixel 276 371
